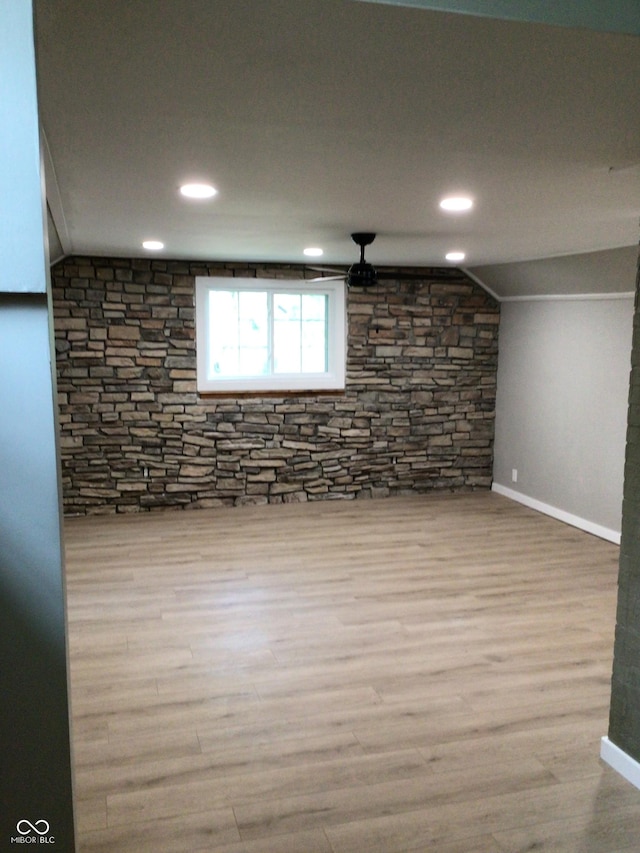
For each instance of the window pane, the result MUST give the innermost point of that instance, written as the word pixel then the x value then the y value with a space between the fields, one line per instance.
pixel 286 333
pixel 255 335
pixel 238 324
pixel 314 333
pixel 314 306
pixel 314 351
pixel 300 333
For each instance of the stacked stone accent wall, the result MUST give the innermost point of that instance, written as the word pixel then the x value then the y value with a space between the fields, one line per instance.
pixel 417 413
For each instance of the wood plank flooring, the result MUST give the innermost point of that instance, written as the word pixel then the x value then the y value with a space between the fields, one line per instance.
pixel 425 673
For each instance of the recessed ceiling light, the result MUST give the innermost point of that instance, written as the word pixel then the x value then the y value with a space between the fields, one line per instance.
pixel 455 256
pixel 198 190
pixel 456 203
pixel 153 245
pixel 313 252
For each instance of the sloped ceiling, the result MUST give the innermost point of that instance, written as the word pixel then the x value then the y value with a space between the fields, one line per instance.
pixel 606 272
pixel 317 118
pixel 623 16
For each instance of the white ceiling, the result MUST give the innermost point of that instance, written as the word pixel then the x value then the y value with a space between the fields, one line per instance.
pixel 316 118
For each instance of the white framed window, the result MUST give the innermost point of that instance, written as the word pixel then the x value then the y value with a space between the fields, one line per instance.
pixel 268 335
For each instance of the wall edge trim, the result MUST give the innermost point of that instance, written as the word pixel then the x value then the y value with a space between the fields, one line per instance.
pixel 52 193
pixel 480 283
pixel 570 297
pixel 620 761
pixel 559 514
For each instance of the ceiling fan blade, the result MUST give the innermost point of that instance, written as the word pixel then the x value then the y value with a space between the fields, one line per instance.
pixel 328 278
pixel 336 270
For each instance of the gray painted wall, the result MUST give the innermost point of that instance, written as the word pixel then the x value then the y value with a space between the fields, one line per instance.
pixel 35 755
pixel 561 409
pixel 20 192
pixel 35 781
pixel 624 716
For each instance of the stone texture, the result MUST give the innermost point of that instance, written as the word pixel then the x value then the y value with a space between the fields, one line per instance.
pixel 417 412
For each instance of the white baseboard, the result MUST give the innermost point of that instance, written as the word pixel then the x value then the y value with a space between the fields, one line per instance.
pixel 560 514
pixel 622 763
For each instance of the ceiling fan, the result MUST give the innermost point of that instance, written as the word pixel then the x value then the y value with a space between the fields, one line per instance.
pixel 364 274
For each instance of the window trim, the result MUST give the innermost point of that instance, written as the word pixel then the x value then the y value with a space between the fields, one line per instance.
pixel 333 379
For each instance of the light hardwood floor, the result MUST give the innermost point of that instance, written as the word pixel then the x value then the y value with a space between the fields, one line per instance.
pixel 411 674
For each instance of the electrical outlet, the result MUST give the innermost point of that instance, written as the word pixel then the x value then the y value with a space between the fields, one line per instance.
pixel 514 475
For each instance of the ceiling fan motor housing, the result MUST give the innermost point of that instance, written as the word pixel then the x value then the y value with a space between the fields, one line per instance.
pixel 361 275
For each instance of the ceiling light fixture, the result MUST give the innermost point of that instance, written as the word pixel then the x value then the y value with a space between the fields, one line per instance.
pixel 198 190
pixel 455 256
pixel 153 245
pixel 313 252
pixel 456 204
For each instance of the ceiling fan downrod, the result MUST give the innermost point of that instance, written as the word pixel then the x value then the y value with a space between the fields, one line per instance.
pixel 362 274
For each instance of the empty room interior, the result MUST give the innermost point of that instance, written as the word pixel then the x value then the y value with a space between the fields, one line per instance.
pixel 320 426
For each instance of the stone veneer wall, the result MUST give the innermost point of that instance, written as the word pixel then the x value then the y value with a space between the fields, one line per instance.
pixel 417 412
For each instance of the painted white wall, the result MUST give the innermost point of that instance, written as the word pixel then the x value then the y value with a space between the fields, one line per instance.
pixel 561 408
